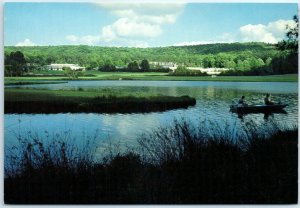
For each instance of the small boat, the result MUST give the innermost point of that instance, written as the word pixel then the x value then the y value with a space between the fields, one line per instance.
pixel 243 109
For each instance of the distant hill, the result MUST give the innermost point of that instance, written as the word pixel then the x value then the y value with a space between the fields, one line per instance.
pixel 228 47
pixel 209 55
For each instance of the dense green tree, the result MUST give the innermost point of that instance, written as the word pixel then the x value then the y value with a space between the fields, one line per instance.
pixel 183 71
pixel 108 67
pixel 133 66
pixel 230 64
pixel 92 65
pixel 268 61
pixel 15 64
pixel 145 65
pixel 72 74
pixel 287 60
pixel 209 61
pixel 255 62
pixel 291 43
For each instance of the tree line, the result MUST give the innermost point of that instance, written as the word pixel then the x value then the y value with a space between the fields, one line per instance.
pixel 110 59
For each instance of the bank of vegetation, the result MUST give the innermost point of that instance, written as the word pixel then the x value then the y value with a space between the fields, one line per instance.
pixel 178 164
pixel 150 76
pixel 75 101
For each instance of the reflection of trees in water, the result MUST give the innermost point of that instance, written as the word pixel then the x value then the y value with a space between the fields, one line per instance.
pixel 212 104
pixel 266 116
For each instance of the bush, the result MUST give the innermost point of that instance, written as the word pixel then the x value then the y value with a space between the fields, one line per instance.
pixel 183 71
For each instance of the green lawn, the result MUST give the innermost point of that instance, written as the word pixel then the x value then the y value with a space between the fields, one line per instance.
pixel 157 76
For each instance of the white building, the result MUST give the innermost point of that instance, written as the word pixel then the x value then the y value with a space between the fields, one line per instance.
pixel 165 65
pixel 59 67
pixel 209 71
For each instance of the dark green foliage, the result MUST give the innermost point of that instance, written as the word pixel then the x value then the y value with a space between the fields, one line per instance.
pixel 283 63
pixel 107 67
pixel 103 104
pixel 15 64
pixel 244 58
pixel 183 71
pixel 71 74
pixel 210 55
pixel 145 65
pixel 133 66
pixel 287 61
pixel 177 164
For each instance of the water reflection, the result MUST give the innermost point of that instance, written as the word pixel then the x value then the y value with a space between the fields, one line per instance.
pixel 266 116
pixel 213 100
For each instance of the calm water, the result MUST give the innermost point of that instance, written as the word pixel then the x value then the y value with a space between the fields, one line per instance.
pixel 213 100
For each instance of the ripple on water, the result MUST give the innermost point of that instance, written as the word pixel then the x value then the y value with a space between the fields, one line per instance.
pixel 213 100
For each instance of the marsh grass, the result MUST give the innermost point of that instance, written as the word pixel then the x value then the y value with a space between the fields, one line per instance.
pixel 80 100
pixel 178 164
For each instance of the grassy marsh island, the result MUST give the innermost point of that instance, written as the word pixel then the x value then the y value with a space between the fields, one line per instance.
pixel 97 101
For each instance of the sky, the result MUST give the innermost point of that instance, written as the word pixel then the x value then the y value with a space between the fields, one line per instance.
pixel 144 24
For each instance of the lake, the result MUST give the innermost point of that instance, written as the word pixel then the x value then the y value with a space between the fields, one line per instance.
pixel 212 108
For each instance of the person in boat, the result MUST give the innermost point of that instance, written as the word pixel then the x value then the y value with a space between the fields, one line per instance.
pixel 242 101
pixel 268 100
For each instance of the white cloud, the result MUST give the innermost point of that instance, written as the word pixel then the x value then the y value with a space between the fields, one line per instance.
pixel 269 33
pixel 135 23
pixel 108 34
pixel 26 42
pixel 278 28
pixel 125 27
pixel 256 33
pixel 139 20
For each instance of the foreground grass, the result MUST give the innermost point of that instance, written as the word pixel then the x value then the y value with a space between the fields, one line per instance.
pixel 178 164
pixel 155 76
pixel 100 101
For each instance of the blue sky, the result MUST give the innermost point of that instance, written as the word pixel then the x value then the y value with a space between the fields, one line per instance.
pixel 144 25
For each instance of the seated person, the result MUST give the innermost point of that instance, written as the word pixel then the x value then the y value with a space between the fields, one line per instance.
pixel 267 100
pixel 242 101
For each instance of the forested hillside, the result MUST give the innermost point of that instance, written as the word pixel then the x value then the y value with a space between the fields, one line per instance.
pixel 240 58
pixel 210 55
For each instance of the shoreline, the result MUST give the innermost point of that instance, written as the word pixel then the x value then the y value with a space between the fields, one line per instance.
pixel 158 77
